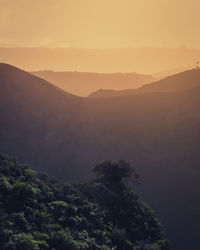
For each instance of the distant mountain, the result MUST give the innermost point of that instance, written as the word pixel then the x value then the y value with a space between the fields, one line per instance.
pixel 108 93
pixel 83 83
pixel 166 73
pixel 145 60
pixel 184 80
pixel 157 129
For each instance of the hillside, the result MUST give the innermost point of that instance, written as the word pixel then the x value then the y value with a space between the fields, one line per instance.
pixel 158 131
pixel 108 93
pixel 39 212
pixel 184 80
pixel 82 83
pixel 34 115
pixel 166 73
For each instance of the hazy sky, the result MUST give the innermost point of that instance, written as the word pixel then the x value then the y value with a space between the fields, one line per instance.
pixel 100 23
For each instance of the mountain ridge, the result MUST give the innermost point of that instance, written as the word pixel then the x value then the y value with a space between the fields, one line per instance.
pixel 183 80
pixel 7 69
pixel 82 83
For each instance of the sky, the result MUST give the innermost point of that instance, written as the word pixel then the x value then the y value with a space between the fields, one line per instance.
pixel 99 23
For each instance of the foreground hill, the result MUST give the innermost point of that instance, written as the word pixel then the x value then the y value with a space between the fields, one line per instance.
pixel 82 83
pixel 34 116
pixel 158 131
pixel 38 212
pixel 184 80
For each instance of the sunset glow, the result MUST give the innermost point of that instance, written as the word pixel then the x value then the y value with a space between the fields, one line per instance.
pixel 99 23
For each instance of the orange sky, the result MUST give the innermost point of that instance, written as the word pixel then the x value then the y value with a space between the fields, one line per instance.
pixel 100 23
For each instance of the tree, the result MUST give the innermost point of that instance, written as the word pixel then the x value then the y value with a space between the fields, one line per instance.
pixel 116 174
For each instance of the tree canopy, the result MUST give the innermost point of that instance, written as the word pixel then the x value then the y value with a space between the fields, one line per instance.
pixel 115 173
pixel 40 212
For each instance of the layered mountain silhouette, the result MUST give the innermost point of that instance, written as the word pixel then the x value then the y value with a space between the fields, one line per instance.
pixel 83 83
pixel 156 128
pixel 184 80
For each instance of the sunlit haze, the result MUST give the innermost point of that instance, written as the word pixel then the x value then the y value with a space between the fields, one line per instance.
pixel 99 23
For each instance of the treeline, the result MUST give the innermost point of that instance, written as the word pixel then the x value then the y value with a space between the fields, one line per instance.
pixel 40 212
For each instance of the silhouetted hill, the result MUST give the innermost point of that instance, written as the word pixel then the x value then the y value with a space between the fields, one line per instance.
pixel 22 79
pixel 107 93
pixel 83 83
pixel 34 115
pixel 184 80
pixel 166 73
pixel 158 131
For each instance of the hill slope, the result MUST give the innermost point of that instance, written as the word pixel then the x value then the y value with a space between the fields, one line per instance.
pixel 164 74
pixel 82 83
pixel 33 117
pixel 108 93
pixel 159 133
pixel 184 80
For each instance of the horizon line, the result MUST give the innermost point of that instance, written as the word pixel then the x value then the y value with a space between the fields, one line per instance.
pixel 86 48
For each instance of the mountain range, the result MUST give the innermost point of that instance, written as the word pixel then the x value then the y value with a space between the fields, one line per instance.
pixel 156 128
pixel 184 80
pixel 83 83
pixel 141 60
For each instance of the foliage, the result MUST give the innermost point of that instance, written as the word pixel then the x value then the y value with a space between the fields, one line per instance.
pixel 115 174
pixel 39 212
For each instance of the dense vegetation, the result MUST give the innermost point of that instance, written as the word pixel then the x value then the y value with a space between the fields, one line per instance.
pixel 39 212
